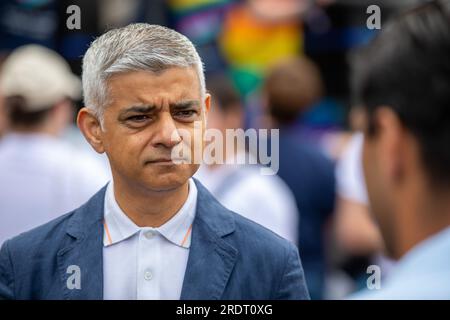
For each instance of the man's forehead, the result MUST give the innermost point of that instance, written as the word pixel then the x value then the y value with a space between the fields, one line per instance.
pixel 142 87
pixel 186 76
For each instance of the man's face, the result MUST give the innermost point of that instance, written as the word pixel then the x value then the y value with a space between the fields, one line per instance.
pixel 377 165
pixel 142 123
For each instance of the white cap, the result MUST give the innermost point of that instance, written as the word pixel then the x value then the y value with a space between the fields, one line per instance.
pixel 39 75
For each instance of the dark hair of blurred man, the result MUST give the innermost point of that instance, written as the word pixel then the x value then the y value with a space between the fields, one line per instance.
pixel 291 88
pixel 402 80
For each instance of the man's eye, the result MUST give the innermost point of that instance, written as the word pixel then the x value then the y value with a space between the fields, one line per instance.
pixel 139 118
pixel 185 113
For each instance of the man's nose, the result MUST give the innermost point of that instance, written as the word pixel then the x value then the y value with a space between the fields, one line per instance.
pixel 167 134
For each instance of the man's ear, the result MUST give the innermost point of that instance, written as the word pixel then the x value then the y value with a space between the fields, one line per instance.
pixel 207 103
pixel 91 129
pixel 391 142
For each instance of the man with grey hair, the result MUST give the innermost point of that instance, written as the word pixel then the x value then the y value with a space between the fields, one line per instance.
pixel 153 232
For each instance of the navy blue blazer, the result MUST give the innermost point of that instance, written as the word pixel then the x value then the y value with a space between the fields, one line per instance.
pixel 230 257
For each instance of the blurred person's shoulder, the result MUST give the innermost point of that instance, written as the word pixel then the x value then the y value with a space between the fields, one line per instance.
pixel 268 191
pixel 253 181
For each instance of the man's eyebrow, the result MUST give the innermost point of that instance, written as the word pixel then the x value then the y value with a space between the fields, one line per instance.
pixel 185 104
pixel 137 109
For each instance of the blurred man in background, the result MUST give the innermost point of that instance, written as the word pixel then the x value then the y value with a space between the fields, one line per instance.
pixel 264 199
pixel 291 87
pixel 402 79
pixel 41 177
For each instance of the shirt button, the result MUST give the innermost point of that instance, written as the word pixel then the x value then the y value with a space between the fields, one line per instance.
pixel 149 234
pixel 148 275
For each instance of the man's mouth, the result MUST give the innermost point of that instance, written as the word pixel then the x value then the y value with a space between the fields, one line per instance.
pixel 164 161
pixel 160 160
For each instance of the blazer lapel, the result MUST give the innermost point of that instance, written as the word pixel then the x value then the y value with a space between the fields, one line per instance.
pixel 211 257
pixel 80 259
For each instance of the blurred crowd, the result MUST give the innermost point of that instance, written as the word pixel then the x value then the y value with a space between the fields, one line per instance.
pixel 269 64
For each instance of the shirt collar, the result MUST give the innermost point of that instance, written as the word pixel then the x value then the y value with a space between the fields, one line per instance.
pixel 118 226
pixel 424 257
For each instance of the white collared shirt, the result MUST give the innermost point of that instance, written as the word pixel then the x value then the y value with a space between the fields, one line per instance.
pixel 143 262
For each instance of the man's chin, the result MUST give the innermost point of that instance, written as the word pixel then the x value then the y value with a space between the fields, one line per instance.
pixel 166 187
pixel 165 182
pixel 166 177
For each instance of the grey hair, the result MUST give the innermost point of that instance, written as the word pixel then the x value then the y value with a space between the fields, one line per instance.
pixel 136 47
